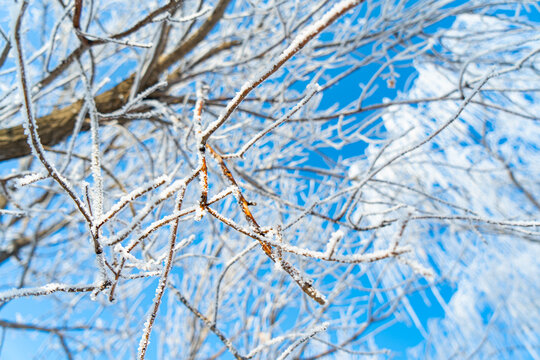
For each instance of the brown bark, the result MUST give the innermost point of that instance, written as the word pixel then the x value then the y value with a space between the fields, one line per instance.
pixel 56 126
pixel 59 124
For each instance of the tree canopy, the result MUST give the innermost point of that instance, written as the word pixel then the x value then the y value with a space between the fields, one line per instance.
pixel 270 179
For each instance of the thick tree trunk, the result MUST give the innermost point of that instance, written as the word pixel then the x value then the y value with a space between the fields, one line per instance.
pixel 56 126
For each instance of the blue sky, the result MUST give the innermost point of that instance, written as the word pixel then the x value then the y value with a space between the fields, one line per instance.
pixel 397 337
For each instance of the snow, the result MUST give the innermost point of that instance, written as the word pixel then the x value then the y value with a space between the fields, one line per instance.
pixel 308 33
pixel 47 289
pixel 199 213
pixel 332 243
pixel 355 258
pixel 30 178
pixel 134 194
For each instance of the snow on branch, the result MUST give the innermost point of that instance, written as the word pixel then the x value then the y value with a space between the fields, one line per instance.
pixel 296 45
pixel 48 289
pixel 305 337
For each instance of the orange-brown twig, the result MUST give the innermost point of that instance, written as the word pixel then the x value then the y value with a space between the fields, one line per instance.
pixel 267 248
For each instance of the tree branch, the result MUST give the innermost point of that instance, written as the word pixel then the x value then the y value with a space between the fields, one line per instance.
pixel 59 124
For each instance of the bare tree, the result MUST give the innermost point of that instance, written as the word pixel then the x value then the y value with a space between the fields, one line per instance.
pixel 269 179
